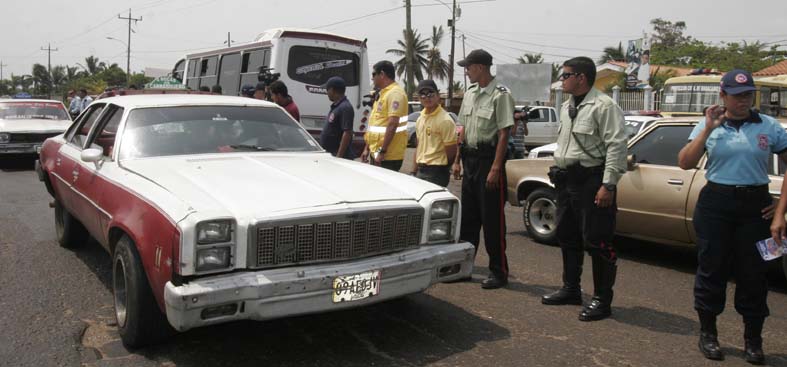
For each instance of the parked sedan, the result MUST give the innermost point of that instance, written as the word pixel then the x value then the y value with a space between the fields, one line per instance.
pixel 216 209
pixel 26 123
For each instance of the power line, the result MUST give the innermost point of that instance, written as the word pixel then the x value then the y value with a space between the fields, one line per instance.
pixel 360 17
pixel 540 45
pixel 487 40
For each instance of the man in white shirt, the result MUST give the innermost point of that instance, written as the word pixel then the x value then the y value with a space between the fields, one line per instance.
pixel 75 104
pixel 85 100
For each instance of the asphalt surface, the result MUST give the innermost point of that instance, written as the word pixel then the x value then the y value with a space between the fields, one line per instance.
pixel 56 310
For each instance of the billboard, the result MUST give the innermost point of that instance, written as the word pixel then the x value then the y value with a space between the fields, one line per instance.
pixel 528 83
pixel 638 60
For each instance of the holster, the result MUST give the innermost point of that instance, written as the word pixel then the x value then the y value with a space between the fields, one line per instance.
pixel 557 175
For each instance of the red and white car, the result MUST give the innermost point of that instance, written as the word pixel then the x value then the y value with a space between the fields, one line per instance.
pixel 26 123
pixel 219 208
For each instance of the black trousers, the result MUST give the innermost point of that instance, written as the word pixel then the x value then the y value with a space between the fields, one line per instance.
pixel 391 165
pixel 580 223
pixel 728 223
pixel 438 175
pixel 484 208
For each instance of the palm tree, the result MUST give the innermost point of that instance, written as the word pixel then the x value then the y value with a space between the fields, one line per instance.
pixel 420 49
pixel 42 79
pixel 438 68
pixel 93 66
pixel 531 59
pixel 612 54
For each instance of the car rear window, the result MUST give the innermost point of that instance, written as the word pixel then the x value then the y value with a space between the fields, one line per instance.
pixel 32 110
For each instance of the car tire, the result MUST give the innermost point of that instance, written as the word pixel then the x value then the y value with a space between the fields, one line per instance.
pixel 540 215
pixel 139 319
pixel 69 231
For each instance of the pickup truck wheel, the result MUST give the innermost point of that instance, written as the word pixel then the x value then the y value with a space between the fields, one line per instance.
pixel 140 321
pixel 540 215
pixel 70 232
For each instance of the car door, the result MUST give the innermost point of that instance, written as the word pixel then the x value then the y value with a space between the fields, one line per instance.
pixel 91 183
pixel 652 197
pixel 68 165
pixel 538 127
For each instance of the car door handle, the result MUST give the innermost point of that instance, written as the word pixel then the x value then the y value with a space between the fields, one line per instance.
pixel 675 182
pixel 57 162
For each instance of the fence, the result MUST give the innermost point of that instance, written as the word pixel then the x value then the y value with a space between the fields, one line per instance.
pixel 627 100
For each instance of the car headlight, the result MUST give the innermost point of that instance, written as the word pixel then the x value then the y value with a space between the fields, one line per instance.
pixel 214 232
pixel 5 137
pixel 439 231
pixel 442 210
pixel 213 258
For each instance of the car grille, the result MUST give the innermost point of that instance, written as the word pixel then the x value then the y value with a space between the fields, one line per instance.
pixel 335 237
pixel 30 137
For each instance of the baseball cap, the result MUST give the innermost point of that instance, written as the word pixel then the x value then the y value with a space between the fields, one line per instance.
pixel 478 56
pixel 247 90
pixel 335 82
pixel 426 84
pixel 737 81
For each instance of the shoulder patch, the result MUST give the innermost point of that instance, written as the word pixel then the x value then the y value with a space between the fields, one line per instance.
pixel 502 88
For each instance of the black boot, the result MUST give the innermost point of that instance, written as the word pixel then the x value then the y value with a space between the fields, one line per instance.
pixel 571 293
pixel 709 342
pixel 600 306
pixel 752 336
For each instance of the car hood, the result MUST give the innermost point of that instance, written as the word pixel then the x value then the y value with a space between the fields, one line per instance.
pixel 34 126
pixel 255 184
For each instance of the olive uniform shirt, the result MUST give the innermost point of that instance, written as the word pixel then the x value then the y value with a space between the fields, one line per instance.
pixel 392 102
pixel 595 137
pixel 484 111
pixel 435 131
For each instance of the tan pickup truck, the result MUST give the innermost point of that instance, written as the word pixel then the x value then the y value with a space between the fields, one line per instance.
pixel 656 198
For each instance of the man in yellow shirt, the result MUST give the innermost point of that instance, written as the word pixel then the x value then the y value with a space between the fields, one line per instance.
pixel 435 133
pixel 386 137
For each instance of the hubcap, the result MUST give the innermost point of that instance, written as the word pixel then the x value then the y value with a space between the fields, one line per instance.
pixel 119 290
pixel 542 216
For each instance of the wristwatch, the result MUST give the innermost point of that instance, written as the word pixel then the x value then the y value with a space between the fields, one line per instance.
pixel 610 187
pixel 381 150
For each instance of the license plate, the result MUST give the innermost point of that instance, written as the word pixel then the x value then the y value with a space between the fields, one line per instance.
pixel 357 286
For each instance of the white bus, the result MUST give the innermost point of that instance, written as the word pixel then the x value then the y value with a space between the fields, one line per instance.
pixel 305 60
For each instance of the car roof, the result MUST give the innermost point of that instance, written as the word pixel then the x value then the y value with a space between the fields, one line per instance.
pixel 640 118
pixel 2 100
pixel 165 100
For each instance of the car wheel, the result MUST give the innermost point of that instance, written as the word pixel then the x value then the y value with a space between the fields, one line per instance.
pixel 70 232
pixel 139 319
pixel 540 215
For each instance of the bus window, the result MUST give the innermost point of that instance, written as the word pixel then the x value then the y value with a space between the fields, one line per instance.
pixel 783 104
pixel 208 71
pixel 229 77
pixel 193 78
pixel 314 65
pixel 251 63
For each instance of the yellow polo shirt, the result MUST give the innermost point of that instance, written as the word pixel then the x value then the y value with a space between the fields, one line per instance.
pixel 392 102
pixel 435 131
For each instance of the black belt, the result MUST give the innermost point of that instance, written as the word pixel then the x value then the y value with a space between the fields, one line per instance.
pixel 432 166
pixel 737 189
pixel 483 151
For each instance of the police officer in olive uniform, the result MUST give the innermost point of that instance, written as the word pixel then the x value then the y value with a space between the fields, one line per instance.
pixel 487 114
pixel 590 159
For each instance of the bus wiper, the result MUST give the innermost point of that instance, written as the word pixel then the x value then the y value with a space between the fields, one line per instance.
pixel 252 147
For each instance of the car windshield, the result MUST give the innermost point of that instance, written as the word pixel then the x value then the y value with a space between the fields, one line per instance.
pixel 164 131
pixel 32 110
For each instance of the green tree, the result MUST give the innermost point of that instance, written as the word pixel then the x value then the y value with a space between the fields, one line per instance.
pixel 420 50
pixel 458 87
pixel 93 66
pixel 668 34
pixel 612 54
pixel 531 59
pixel 139 80
pixel 112 75
pixel 41 80
pixel 437 67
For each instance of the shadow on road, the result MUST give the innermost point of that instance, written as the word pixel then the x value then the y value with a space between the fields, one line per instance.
pixel 657 321
pixel 97 260
pixel 415 330
pixel 17 163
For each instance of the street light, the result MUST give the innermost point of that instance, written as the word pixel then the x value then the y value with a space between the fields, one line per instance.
pixel 128 58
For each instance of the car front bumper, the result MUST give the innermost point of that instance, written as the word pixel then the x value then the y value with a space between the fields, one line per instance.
pixel 21 148
pixel 276 293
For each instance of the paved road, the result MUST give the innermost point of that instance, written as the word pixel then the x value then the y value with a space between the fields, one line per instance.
pixel 56 310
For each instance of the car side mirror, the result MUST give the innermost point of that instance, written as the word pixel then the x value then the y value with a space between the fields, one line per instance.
pixel 93 155
pixel 631 162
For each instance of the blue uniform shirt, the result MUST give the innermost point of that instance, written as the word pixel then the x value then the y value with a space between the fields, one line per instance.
pixel 339 120
pixel 740 156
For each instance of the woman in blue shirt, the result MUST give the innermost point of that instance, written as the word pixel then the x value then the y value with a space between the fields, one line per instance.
pixel 733 210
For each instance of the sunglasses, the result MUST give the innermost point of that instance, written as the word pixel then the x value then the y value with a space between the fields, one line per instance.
pixel 429 94
pixel 565 76
pixel 375 73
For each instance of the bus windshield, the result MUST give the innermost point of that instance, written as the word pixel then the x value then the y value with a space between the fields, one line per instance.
pixel 314 65
pixel 689 98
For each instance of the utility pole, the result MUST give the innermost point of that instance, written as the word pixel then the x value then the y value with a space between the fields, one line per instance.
pixel 451 58
pixel 1 69
pixel 409 37
pixel 128 45
pixel 464 55
pixel 228 41
pixel 49 50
